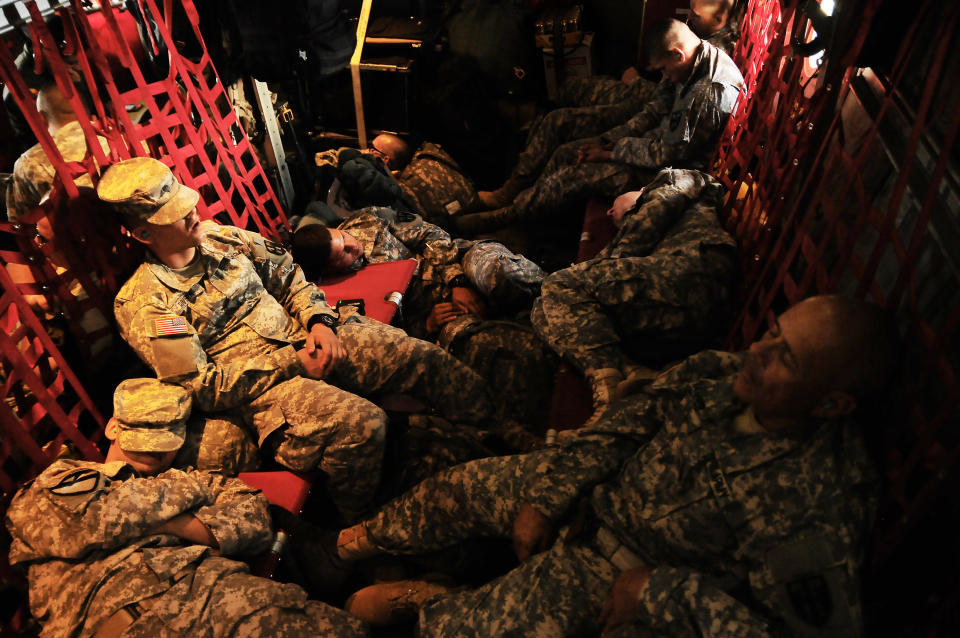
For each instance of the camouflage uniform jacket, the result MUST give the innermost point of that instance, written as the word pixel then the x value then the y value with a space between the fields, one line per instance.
pixel 435 181
pixel 676 214
pixel 33 172
pixel 388 235
pixel 83 530
pixel 710 506
pixel 680 127
pixel 726 38
pixel 240 288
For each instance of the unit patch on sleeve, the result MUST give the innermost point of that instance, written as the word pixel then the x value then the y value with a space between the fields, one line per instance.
pixel 170 325
pixel 77 482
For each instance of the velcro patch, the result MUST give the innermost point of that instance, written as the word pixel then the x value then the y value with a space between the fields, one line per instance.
pixel 77 482
pixel 170 325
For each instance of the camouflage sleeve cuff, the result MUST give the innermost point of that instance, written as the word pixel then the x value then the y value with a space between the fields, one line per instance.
pixel 632 150
pixel 289 362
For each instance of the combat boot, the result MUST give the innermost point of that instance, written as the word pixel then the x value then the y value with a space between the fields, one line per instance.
pixel 636 379
pixel 501 197
pixel 352 544
pixel 473 223
pixel 392 603
pixel 603 386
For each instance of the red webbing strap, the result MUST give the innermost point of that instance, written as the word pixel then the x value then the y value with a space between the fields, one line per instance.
pixel 837 188
pixel 42 420
pixel 188 95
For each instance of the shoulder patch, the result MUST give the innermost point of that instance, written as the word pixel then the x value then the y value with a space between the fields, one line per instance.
pixel 77 482
pixel 170 325
pixel 273 247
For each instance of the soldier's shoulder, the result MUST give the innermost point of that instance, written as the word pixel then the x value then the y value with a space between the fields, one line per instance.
pixel 31 161
pixel 140 284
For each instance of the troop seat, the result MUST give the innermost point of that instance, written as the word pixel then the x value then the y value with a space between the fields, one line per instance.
pixel 380 288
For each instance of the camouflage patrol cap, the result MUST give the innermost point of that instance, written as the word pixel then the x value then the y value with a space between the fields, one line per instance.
pixel 146 188
pixel 152 415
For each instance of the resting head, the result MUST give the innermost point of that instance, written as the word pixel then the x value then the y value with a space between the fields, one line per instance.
pixel 149 424
pixel 622 205
pixel 672 49
pixel 157 209
pixel 54 107
pixel 821 359
pixel 394 151
pixel 321 250
pixel 709 16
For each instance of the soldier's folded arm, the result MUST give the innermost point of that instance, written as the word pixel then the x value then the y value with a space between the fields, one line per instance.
pixel 238 518
pixel 76 508
pixel 283 278
pixel 177 356
pixel 653 111
pixel 657 214
pixel 438 249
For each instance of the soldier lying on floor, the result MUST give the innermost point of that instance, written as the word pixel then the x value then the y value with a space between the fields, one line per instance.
pixel 128 547
pixel 659 291
pixel 472 296
pixel 731 498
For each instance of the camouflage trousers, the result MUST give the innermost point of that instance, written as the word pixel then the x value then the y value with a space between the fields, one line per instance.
pixel 219 597
pixel 518 366
pixel 218 444
pixel 588 118
pixel 559 592
pixel 325 424
pixel 655 308
pixel 564 184
pixel 600 90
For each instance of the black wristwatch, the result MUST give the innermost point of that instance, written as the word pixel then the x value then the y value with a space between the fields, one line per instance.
pixel 328 320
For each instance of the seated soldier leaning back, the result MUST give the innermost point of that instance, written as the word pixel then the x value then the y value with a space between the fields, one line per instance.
pixel 228 315
pixel 708 504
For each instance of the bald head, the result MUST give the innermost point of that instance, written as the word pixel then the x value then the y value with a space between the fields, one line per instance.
pixel 672 48
pixel 54 107
pixel 394 151
pixel 709 16
pixel 860 344
pixel 822 358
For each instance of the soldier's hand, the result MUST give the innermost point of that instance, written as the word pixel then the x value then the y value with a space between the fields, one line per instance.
pixel 623 602
pixel 467 300
pixel 322 352
pixel 532 532
pixel 594 153
pixel 630 75
pixel 442 314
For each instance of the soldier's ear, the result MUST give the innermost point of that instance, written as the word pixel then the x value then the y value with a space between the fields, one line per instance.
pixel 141 234
pixel 112 429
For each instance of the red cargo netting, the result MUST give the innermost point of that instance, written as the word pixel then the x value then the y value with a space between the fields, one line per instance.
pixel 844 179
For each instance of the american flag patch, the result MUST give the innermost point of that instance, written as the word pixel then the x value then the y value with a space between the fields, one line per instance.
pixel 170 326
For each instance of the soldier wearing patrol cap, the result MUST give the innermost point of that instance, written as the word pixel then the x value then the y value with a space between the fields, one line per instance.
pixel 227 314
pixel 144 547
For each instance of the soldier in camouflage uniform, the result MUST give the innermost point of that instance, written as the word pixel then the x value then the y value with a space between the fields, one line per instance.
pixel 660 290
pixel 428 181
pixel 729 499
pixel 227 314
pixel 679 126
pixel 129 547
pixel 448 270
pixel 33 172
pixel 593 105
pixel 455 282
